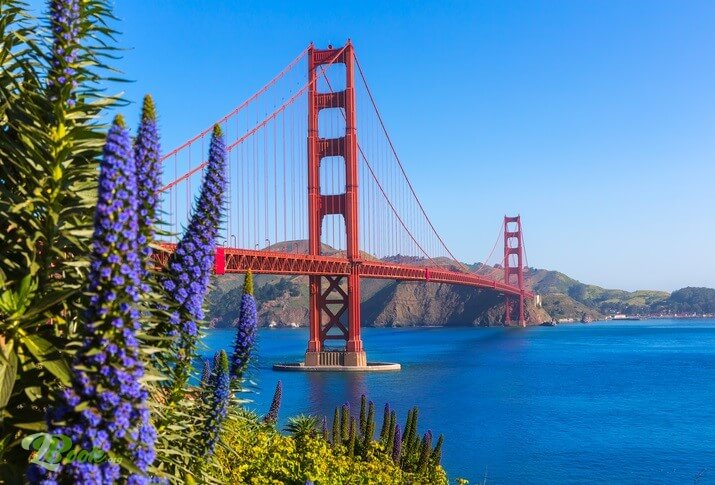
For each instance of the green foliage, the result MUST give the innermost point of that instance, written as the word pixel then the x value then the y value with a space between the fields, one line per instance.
pixel 179 443
pixel 344 422
pixel 257 454
pixel 351 438
pixel 50 142
pixel 391 430
pixel 410 429
pixel 363 413
pixel 690 300
pixel 415 453
pixel 224 305
pixel 302 427
pixel 437 453
pixel 324 429
pixel 336 428
pixel 248 282
pixel 369 431
pixel 425 453
pixel 385 424
pixel 414 456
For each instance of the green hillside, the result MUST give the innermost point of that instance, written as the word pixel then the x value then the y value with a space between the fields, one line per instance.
pixel 575 297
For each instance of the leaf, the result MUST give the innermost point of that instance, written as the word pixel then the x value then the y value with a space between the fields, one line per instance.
pixel 33 392
pixel 33 426
pixel 8 373
pixel 49 302
pixel 41 349
pixel 38 346
pixel 125 463
pixel 25 288
pixel 59 369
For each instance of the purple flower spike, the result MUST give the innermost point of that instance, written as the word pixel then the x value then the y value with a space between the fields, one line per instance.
pixel 147 150
pixel 190 266
pixel 397 445
pixel 221 392
pixel 105 407
pixel 65 27
pixel 246 327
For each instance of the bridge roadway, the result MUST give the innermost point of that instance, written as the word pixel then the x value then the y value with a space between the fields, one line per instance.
pixel 238 260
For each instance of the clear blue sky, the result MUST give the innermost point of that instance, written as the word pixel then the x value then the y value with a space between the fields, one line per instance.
pixel 593 119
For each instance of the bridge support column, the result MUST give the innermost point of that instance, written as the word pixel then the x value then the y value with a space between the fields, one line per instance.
pixel 332 305
pixel 315 343
pixel 514 268
pixel 327 322
pixel 509 310
pixel 354 352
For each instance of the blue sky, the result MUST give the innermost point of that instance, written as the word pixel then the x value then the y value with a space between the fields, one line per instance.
pixel 594 120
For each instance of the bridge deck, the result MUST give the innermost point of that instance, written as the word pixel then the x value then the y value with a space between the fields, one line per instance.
pixel 237 260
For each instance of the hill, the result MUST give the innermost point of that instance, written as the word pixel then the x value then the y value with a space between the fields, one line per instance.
pixel 565 297
pixel 283 300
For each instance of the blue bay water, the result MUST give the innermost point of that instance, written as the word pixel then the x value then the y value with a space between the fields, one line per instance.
pixel 629 402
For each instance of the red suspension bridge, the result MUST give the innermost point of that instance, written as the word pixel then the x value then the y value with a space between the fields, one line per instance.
pixel 361 218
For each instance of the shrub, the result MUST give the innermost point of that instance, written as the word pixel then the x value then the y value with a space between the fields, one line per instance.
pixel 257 454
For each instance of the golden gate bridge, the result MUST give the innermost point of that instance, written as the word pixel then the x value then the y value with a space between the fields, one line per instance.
pixel 310 194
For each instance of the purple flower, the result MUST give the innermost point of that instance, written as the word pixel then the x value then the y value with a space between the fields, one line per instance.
pixel 246 326
pixel 147 151
pixel 272 416
pixel 65 27
pixel 220 384
pixel 190 266
pixel 397 445
pixel 107 368
pixel 206 375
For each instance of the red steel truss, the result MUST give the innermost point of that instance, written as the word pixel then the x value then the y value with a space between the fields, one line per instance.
pixel 237 260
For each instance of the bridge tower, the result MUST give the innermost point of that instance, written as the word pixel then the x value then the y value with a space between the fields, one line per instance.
pixel 514 267
pixel 329 297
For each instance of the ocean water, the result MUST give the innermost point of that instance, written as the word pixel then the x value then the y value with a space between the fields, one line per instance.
pixel 629 402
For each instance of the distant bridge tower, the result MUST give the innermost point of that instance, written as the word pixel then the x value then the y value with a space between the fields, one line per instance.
pixel 328 304
pixel 514 267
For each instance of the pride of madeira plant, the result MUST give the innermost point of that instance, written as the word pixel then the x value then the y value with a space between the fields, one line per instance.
pixel 105 408
pixel 246 328
pixel 217 401
pixel 190 266
pixel 50 145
